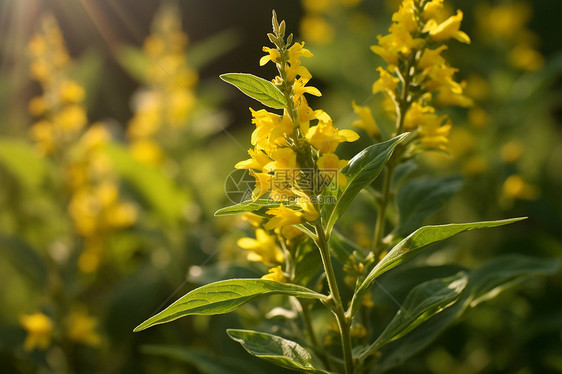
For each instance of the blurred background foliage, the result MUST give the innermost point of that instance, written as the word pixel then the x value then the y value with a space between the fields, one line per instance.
pixel 117 137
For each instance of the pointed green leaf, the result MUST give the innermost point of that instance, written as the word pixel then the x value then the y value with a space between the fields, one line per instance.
pixel 277 350
pixel 361 171
pixel 484 283
pixel 412 245
pixel 423 302
pixel 257 88
pixel 225 296
pixel 250 206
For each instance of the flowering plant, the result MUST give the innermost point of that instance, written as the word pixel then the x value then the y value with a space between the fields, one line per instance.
pixel 303 188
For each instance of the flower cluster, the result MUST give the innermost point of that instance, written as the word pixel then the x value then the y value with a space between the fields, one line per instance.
pixel 61 132
pixel 293 155
pixel 417 77
pixel 78 327
pixel 60 109
pixel 166 101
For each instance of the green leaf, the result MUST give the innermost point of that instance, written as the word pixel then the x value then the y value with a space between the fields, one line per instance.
pixel 210 49
pixel 420 199
pixel 484 283
pixel 135 62
pixel 277 350
pixel 412 245
pixel 423 302
pixel 361 171
pixel 250 206
pixel 225 296
pixel 203 361
pixel 257 88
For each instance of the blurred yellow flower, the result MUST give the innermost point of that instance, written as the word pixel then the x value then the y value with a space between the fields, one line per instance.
pixel 39 329
pixel 82 328
pixel 263 248
pixel 366 120
pixel 515 187
pixel 316 29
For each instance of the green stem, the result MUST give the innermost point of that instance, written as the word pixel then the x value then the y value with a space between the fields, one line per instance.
pixel 344 323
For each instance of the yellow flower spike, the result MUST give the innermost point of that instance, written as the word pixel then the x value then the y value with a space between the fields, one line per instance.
pixel 447 29
pixel 275 274
pixel 39 329
pixel 366 120
pixel 283 216
pixel 262 249
pixel 329 164
pixel 81 328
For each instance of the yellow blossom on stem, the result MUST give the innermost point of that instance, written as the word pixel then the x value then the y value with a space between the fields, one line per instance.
pixel 39 329
pixel 366 120
pixel 326 138
pixel 275 274
pixel 283 216
pixel 330 165
pixel 263 248
pixel 82 328
pixel 447 29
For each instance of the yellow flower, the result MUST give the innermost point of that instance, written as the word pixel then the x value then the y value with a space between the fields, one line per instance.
pixel 275 274
pixel 264 183
pixel 386 83
pixel 316 29
pixel 272 55
pixel 447 29
pixel 326 138
pixel 39 329
pixel 257 161
pixel 37 106
pixel 329 164
pixel 71 92
pixel 282 216
pixel 515 187
pixel 435 135
pixel 366 121
pixel 283 158
pixel 525 57
pixel 81 328
pixel 262 249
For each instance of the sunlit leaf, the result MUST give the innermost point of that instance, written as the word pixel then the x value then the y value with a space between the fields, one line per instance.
pixel 361 171
pixel 277 350
pixel 257 88
pixel 249 206
pixel 412 245
pixel 225 296
pixel 423 302
pixel 484 283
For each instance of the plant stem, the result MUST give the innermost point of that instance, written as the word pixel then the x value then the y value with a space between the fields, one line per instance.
pixel 344 323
